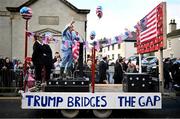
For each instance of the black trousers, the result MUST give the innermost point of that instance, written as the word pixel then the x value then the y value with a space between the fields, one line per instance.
pixel 38 72
pixel 47 72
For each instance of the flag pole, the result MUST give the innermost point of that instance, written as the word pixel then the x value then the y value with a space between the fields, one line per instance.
pixel 140 63
pixel 161 73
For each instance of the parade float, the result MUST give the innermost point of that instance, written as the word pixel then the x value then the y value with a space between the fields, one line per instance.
pixel 73 94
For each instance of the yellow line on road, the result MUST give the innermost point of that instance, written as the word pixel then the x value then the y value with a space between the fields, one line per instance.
pixel 10 98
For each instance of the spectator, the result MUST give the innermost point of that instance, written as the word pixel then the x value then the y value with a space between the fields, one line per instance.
pixel 7 72
pixel 103 66
pixel 19 74
pixel 118 72
pixel 131 68
pixel 167 73
pixel 87 69
pixel 124 65
pixel 57 67
pixel 1 66
pixel 57 55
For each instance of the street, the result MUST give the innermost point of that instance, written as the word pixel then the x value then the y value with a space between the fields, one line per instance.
pixel 10 108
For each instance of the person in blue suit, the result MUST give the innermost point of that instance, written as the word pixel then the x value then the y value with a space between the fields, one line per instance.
pixel 68 36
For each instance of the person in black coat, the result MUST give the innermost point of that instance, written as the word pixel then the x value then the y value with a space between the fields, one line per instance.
pixel 118 72
pixel 38 57
pixel 167 76
pixel 48 60
pixel 103 66
pixel 7 71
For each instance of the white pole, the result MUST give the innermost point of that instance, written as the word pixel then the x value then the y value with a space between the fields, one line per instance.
pixel 161 73
pixel 140 64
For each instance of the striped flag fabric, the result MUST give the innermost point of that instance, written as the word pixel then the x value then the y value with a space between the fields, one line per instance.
pixel 148 30
pixel 149 26
pixel 128 33
pixel 75 50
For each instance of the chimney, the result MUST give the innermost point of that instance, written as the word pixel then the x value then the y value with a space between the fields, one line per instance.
pixel 172 25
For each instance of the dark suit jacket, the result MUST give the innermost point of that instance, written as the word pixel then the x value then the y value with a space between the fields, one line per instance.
pixel 37 56
pixel 102 71
pixel 118 73
pixel 48 60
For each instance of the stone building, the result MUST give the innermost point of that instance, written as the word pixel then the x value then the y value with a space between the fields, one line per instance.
pixel 173 41
pixel 48 16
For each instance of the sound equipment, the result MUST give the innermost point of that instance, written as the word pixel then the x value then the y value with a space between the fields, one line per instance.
pixel 67 85
pixel 80 60
pixel 140 82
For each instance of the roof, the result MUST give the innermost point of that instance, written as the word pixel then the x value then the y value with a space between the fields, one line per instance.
pixel 174 33
pixel 30 2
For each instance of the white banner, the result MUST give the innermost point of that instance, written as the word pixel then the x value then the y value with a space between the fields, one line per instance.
pixel 44 100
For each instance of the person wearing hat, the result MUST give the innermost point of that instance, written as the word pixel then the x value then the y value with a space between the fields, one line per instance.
pixel 103 66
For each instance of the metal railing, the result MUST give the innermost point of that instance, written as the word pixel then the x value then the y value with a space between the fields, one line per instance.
pixel 10 81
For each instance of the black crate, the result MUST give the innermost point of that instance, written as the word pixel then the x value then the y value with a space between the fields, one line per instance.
pixel 139 82
pixel 70 85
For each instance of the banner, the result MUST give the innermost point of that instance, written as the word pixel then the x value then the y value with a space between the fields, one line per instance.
pixel 151 30
pixel 44 100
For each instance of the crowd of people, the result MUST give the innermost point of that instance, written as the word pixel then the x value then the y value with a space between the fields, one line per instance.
pixel 13 70
pixel 44 65
pixel 10 70
pixel 120 68
pixel 171 72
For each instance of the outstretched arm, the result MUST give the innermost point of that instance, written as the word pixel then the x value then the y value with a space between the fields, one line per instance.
pixel 68 26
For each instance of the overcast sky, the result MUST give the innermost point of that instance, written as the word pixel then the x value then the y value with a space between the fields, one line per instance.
pixel 121 14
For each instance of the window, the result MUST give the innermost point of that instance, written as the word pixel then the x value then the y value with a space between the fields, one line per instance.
pixel 104 50
pixel 108 48
pixel 113 47
pixel 49 20
pixel 119 46
pixel 112 56
pixel 170 43
pixel 119 55
pixel 135 44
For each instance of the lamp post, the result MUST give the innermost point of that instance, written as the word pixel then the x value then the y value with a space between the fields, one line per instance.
pixel 93 65
pixel 26 14
pixel 92 37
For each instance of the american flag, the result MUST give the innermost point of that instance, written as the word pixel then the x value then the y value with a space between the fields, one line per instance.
pixel 149 26
pixel 75 50
pixel 148 35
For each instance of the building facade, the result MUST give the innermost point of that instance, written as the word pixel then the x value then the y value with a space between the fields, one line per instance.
pixel 48 16
pixel 125 49
pixel 173 41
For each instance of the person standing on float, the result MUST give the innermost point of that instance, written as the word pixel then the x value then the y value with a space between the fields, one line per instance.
pixel 66 48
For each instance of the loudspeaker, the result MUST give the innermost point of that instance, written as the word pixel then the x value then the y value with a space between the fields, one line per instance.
pixel 80 60
pixel 70 85
pixel 140 82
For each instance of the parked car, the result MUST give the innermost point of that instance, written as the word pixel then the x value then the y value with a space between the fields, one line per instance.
pixel 134 59
pixel 150 65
